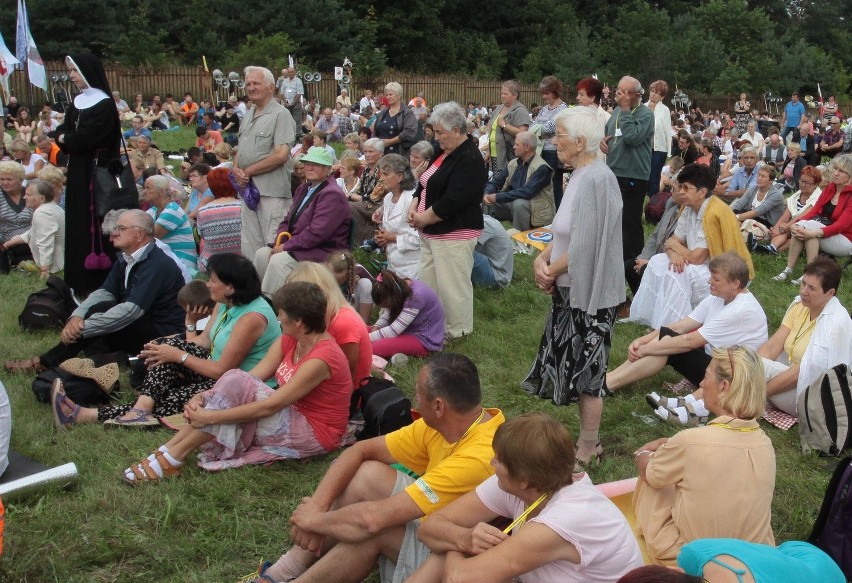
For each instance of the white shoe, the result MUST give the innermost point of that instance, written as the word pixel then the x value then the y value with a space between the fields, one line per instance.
pixel 797 281
pixel 782 276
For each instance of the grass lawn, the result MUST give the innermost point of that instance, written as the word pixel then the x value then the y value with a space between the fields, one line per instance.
pixel 216 527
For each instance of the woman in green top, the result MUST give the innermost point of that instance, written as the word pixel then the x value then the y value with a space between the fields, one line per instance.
pixel 238 335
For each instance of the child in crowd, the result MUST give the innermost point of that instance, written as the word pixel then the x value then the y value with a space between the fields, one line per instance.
pixel 355 281
pixel 195 298
pixel 411 320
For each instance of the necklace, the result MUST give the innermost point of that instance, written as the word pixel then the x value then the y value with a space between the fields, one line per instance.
pixel 522 519
pixel 466 431
pixel 298 354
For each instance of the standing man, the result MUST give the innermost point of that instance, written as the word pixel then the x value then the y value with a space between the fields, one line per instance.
pixel 365 510
pixel 793 112
pixel 291 90
pixel 627 144
pixel 265 138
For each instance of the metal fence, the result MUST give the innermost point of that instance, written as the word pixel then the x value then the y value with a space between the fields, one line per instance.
pixel 179 79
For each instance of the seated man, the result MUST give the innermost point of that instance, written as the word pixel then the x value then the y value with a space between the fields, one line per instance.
pixel 745 176
pixel 188 110
pixel 48 150
pixel 676 281
pixel 729 316
pixel 329 123
pixel 774 152
pixel 137 129
pixel 344 124
pixel 145 156
pixel 577 533
pixel 209 121
pixel 207 139
pixel 523 191
pixel 493 256
pixel 172 107
pixel 364 510
pixel 136 303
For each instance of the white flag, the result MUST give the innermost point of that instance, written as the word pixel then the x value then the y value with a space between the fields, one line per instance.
pixel 7 65
pixel 35 66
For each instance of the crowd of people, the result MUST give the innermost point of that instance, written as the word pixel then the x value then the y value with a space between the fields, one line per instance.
pixel 236 284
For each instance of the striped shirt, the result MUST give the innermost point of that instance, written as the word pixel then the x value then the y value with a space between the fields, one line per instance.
pixel 15 219
pixel 219 227
pixel 178 235
pixel 457 235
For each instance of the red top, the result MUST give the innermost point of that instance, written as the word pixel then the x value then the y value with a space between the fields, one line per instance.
pixel 842 215
pixel 326 407
pixel 347 327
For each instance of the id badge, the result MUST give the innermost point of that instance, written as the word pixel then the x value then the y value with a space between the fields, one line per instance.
pixel 617 132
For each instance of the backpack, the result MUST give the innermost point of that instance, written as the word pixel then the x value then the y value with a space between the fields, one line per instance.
pixel 833 527
pixel 824 409
pixel 656 206
pixel 48 308
pixel 84 392
pixel 384 406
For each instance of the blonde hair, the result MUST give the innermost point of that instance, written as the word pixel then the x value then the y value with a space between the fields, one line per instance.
pixel 13 168
pixel 320 275
pixel 52 174
pixel 222 151
pixel 795 146
pixel 743 369
pixel 342 262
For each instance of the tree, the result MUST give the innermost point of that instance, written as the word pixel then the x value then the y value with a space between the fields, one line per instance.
pixel 628 48
pixel 269 50
pixel 569 55
pixel 370 59
pixel 142 44
pixel 60 29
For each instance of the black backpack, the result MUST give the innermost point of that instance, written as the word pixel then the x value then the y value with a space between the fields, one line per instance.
pixel 383 405
pixel 833 528
pixel 824 410
pixel 48 308
pixel 84 392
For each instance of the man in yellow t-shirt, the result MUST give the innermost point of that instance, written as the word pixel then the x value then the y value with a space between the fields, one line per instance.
pixel 364 510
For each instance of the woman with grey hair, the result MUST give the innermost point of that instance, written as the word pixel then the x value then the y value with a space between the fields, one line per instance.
pixel 46 236
pixel 506 122
pixel 446 211
pixel 368 198
pixel 171 225
pixel 582 269
pixel 15 217
pixel 396 126
pixel 420 155
pixel 400 240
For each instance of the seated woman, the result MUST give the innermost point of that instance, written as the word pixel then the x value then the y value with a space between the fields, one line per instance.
pixel 241 420
pixel 356 283
pixel 317 224
pixel 729 315
pixel 350 172
pixel 676 281
pixel 761 206
pixel 171 225
pixel 218 222
pixel 729 493
pixel 15 217
pixel 827 227
pixel 411 320
pixel 813 337
pixel 368 198
pixel 46 236
pixel 200 194
pixel 24 125
pixel 400 241
pixel 564 529
pixel 343 323
pixel 791 171
pixel 797 205
pixel 31 162
pixel 241 329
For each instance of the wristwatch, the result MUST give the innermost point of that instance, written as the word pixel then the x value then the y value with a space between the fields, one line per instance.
pixel 190 328
pixel 184 357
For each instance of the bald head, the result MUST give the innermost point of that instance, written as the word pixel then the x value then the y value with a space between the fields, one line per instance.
pixel 631 87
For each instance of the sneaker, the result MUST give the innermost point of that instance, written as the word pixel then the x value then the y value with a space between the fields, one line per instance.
pixel 399 359
pixel 766 249
pixel 623 310
pixel 782 276
pixel 797 281
pixel 750 242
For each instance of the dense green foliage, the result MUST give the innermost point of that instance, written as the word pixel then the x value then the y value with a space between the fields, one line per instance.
pixel 715 46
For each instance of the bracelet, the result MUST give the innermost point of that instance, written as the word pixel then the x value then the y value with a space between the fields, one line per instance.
pixel 184 357
pixel 641 451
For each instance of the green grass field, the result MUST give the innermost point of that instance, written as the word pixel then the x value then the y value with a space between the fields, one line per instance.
pixel 216 527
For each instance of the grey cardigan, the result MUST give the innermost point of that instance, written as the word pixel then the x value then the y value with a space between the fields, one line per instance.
pixel 770 210
pixel 594 252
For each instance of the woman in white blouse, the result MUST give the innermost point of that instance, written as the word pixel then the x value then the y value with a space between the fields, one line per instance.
pixel 46 236
pixel 400 240
pixel 662 133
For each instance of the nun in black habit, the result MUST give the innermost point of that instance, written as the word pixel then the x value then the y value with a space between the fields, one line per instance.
pixel 90 134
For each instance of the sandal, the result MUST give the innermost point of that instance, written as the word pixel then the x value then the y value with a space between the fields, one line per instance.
pixel 143 419
pixel 782 276
pixel 594 460
pixel 143 472
pixel 654 400
pixel 28 365
pixel 258 575
pixel 671 417
pixel 57 399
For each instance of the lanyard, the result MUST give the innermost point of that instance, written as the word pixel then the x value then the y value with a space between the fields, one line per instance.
pixel 522 519
pixel 732 428
pixel 803 329
pixel 618 117
pixel 217 329
pixel 466 431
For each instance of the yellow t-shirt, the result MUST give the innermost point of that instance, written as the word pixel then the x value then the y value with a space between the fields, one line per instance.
pixel 798 320
pixel 447 470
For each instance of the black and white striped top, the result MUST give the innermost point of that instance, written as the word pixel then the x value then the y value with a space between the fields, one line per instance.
pixel 14 218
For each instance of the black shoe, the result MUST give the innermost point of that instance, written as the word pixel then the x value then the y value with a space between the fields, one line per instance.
pixel 766 249
pixel 750 242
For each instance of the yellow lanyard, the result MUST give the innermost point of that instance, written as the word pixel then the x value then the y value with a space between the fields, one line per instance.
pixel 466 431
pixel 522 519
pixel 803 329
pixel 618 117
pixel 217 329
pixel 732 428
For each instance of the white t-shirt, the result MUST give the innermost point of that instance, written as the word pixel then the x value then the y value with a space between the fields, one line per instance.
pixel 690 227
pixel 584 517
pixel 739 323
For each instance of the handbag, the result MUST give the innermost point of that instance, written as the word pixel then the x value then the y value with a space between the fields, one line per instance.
pixel 823 220
pixel 113 186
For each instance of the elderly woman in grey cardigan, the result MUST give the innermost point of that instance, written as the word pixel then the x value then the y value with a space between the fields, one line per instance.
pixel 583 270
pixel 760 207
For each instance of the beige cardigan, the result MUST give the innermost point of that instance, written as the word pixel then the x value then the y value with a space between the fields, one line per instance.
pixel 46 236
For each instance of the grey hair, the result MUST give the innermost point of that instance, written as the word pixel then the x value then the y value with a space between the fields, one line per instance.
pixel 376 144
pixel 449 116
pixel 42 188
pixel 399 165
pixel 748 150
pixel 159 181
pixel 512 86
pixel 842 162
pixel 268 77
pixel 141 219
pixel 581 122
pixel 395 87
pixel 527 138
pixel 423 149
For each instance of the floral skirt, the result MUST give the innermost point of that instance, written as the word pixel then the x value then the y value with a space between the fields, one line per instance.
pixel 285 434
pixel 573 354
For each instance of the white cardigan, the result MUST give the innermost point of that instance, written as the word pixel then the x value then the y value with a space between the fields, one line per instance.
pixel 403 254
pixel 46 236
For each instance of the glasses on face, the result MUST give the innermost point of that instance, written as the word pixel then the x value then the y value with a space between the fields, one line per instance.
pixel 118 229
pixel 806 183
pixel 193 176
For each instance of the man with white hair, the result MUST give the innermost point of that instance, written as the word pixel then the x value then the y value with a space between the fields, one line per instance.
pixel 290 92
pixel 266 135
pixel 136 303
pixel 523 191
pixel 144 156
pixel 628 143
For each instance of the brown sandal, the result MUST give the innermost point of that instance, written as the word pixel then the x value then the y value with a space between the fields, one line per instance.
pixel 26 365
pixel 143 472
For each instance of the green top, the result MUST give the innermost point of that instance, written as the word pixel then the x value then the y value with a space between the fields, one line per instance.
pixel 632 134
pixel 220 332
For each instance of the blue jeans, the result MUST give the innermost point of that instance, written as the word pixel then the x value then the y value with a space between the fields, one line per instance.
pixel 483 274
pixel 785 132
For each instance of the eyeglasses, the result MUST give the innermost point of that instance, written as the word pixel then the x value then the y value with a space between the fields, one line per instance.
pixel 806 183
pixel 122 228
